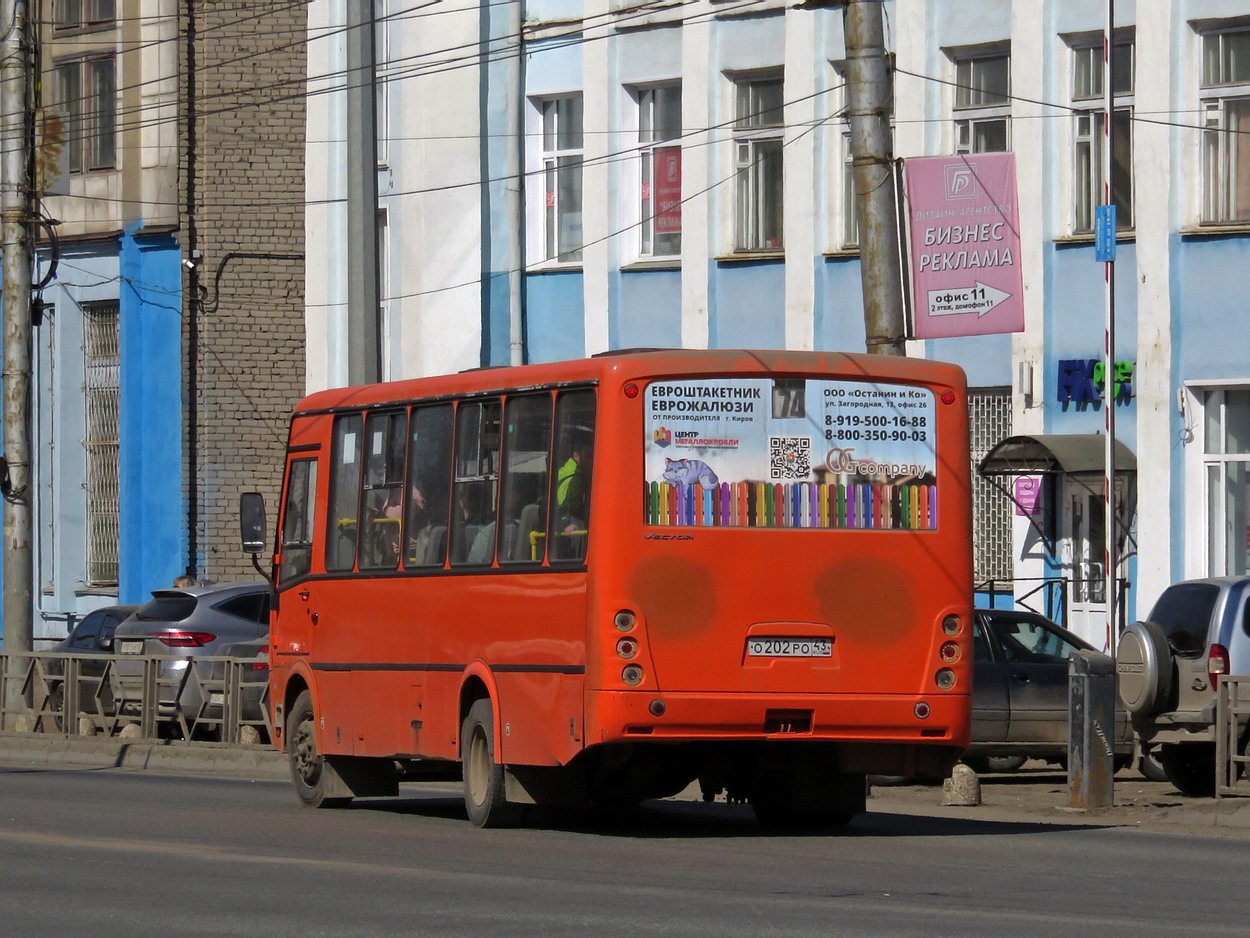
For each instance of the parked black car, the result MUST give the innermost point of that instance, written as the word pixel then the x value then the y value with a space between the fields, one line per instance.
pixel 1020 692
pixel 90 638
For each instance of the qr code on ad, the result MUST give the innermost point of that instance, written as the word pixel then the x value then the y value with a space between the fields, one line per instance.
pixel 790 457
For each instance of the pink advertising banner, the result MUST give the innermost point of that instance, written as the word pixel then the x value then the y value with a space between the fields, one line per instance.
pixel 965 245
pixel 668 191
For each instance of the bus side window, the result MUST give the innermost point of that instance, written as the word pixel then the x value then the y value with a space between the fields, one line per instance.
pixel 527 442
pixel 429 486
pixel 344 494
pixel 477 483
pixel 297 519
pixel 385 435
pixel 570 502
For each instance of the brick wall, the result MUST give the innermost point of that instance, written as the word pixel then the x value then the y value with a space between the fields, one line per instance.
pixel 241 182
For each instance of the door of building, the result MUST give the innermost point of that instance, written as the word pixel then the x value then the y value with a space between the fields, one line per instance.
pixel 1084 553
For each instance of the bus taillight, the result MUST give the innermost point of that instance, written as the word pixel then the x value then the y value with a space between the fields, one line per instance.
pixel 952 626
pixel 625 620
pixel 945 679
pixel 627 647
pixel 950 652
pixel 631 674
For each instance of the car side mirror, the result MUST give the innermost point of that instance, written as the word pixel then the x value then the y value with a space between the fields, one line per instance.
pixel 252 525
pixel 106 644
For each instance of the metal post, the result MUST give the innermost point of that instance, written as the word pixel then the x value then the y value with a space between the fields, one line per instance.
pixel 15 192
pixel 870 91
pixel 1110 525
pixel 364 363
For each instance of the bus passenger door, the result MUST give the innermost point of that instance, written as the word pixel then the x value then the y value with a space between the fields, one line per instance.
pixel 295 616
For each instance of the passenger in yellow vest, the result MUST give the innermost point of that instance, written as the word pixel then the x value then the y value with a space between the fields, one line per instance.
pixel 573 488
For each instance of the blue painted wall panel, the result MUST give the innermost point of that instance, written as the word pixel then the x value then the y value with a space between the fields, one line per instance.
pixel 153 542
pixel 748 308
pixel 646 309
pixel 839 314
pixel 555 327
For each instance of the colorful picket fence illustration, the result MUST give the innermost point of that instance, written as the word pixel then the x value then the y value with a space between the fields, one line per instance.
pixel 910 507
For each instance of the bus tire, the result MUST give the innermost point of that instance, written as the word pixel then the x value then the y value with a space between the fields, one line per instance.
pixel 309 773
pixel 484 799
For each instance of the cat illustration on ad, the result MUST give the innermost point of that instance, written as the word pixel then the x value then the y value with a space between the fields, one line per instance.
pixel 688 472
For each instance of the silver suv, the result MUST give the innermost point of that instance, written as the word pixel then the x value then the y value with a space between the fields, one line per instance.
pixel 1169 666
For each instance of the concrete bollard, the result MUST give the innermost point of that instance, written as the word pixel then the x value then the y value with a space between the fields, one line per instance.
pixel 963 788
pixel 24 723
pixel 1091 731
pixel 131 731
pixel 86 726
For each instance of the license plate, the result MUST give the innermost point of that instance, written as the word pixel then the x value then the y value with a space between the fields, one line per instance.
pixel 790 647
pixel 130 648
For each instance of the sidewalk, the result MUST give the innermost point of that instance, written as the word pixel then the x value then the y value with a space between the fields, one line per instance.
pixel 38 749
pixel 1036 794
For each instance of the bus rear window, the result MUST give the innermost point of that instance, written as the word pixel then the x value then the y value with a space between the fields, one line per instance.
pixel 790 453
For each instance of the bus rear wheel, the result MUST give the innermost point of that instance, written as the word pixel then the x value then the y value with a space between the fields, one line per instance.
pixel 483 777
pixel 309 774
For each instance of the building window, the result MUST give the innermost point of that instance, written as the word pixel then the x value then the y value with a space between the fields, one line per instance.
pixel 562 177
pixel 757 136
pixel 1087 98
pixel 983 104
pixel 102 389
pixel 1226 127
pixel 80 14
pixel 86 97
pixel 659 170
pixel 989 414
pixel 1226 464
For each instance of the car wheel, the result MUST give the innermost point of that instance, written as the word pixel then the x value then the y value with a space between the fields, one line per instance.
pixel 56 706
pixel 1150 767
pixel 1190 767
pixel 983 764
pixel 483 777
pixel 1144 668
pixel 308 767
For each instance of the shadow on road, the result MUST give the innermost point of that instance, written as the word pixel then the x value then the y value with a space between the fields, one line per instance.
pixel 671 820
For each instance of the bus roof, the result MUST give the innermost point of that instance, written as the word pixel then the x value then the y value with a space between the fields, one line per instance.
pixel 640 363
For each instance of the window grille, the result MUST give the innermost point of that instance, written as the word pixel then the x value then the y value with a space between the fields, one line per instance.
pixel 989 414
pixel 102 389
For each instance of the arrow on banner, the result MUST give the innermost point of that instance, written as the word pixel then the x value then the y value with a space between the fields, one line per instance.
pixel 979 299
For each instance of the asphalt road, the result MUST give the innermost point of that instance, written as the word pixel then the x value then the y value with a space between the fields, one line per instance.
pixel 108 852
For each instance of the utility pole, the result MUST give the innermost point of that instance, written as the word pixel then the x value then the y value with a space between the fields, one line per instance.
pixel 15 193
pixel 872 160
pixel 364 352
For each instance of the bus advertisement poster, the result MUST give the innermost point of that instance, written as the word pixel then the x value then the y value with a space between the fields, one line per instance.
pixel 760 452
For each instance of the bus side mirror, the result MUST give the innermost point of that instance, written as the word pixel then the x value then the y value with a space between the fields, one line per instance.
pixel 252 525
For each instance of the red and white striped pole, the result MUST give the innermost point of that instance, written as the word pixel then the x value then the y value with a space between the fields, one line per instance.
pixel 1110 559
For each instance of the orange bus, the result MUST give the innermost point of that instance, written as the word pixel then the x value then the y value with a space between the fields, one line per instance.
pixel 600 581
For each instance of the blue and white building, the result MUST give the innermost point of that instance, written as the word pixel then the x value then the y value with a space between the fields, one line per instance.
pixel 558 178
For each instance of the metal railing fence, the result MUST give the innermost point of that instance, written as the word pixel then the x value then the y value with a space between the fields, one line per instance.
pixel 1232 713
pixel 205 698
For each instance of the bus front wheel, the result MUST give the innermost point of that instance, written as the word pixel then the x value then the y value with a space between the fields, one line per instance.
pixel 309 773
pixel 483 777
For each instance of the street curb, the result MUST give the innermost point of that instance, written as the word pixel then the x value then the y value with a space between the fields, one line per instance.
pixel 257 762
